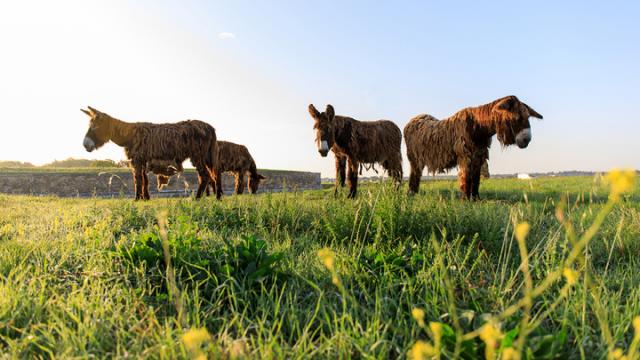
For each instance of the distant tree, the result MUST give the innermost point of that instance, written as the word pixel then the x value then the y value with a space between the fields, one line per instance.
pixel 82 163
pixel 16 164
pixel 103 164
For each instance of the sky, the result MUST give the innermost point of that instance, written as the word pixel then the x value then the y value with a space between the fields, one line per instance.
pixel 250 68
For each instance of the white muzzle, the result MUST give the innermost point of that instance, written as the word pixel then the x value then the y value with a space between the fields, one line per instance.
pixel 523 138
pixel 89 144
pixel 324 147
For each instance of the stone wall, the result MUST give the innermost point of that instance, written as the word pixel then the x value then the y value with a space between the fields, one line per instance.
pixel 116 182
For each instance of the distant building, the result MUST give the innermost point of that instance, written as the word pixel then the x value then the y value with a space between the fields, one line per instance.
pixel 524 176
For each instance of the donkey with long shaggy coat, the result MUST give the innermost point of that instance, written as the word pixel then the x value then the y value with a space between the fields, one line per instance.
pixel 464 139
pixel 355 143
pixel 145 142
pixel 235 158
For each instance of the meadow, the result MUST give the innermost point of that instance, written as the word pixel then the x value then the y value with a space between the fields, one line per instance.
pixel 546 268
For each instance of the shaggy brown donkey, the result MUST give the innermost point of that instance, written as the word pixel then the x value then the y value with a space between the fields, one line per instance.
pixel 464 139
pixel 236 158
pixel 356 142
pixel 146 142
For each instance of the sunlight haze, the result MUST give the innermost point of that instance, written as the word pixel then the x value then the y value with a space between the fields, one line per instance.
pixel 251 68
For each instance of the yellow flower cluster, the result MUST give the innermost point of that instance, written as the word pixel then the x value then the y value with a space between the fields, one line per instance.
pixel 422 350
pixel 621 181
pixel 570 275
pixel 418 315
pixel 491 335
pixel 193 339
pixel 327 257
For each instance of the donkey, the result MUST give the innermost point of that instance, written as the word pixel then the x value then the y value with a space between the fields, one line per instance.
pixel 464 139
pixel 356 142
pixel 164 170
pixel 236 158
pixel 146 142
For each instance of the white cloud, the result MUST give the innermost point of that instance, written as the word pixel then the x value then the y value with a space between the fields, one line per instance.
pixel 226 35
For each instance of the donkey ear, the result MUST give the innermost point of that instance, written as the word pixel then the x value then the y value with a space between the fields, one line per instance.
pixel 532 112
pixel 92 110
pixel 330 112
pixel 261 177
pixel 85 111
pixel 507 104
pixel 313 111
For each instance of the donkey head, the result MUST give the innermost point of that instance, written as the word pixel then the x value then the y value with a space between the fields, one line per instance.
pixel 512 121
pixel 254 182
pixel 99 132
pixel 162 181
pixel 325 128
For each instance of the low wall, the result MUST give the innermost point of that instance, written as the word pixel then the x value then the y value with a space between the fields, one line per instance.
pixel 116 182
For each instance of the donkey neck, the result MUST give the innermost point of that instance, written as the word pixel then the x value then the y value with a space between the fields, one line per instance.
pixel 342 132
pixel 121 132
pixel 484 119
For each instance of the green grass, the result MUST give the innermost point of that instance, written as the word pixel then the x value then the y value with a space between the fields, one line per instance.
pixel 89 277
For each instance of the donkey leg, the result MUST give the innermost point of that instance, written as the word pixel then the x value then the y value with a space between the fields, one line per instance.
pixel 217 179
pixel 203 178
pixel 414 178
pixel 341 164
pixel 341 167
pixel 394 169
pixel 475 184
pixel 239 183
pixel 145 186
pixel 352 176
pixel 137 181
pixel 465 178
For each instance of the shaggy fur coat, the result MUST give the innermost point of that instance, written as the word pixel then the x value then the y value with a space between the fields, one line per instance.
pixel 355 143
pixel 145 142
pixel 463 140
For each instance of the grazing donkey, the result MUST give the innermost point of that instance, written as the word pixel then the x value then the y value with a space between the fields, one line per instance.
pixel 464 139
pixel 145 142
pixel 236 158
pixel 164 170
pixel 356 142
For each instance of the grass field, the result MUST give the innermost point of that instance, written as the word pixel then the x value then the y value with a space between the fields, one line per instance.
pixel 304 275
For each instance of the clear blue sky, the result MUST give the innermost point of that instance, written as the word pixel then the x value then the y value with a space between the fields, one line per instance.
pixel 251 68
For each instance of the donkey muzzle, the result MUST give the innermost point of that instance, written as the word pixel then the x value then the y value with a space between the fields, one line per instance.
pixel 323 149
pixel 89 144
pixel 523 138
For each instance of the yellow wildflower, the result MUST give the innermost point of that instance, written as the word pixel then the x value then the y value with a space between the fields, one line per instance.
pixel 636 326
pixel 422 350
pixel 193 338
pixel 510 354
pixel 570 275
pixel 490 335
pixel 617 354
pixel 335 280
pixel 522 230
pixel 327 257
pixel 621 181
pixel 418 315
pixel 436 329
